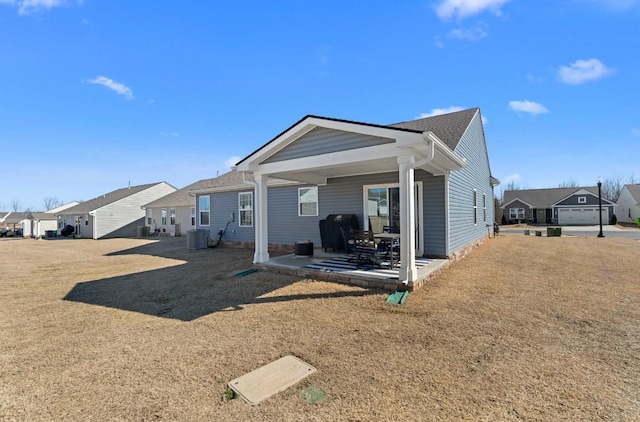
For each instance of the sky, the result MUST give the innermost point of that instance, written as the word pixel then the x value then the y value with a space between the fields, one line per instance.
pixel 96 95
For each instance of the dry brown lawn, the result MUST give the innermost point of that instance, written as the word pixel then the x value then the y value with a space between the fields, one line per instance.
pixel 524 328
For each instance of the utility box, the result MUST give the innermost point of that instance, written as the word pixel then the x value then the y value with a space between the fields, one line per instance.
pixel 554 231
pixel 197 239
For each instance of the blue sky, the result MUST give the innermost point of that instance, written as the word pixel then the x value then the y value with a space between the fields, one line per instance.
pixel 97 94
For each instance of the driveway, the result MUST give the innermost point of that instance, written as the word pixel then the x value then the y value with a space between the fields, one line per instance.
pixel 585 231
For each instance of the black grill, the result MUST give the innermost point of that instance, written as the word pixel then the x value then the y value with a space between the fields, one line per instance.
pixel 330 233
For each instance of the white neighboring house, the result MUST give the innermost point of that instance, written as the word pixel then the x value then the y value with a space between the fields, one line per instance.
pixel 628 204
pixel 115 214
pixel 36 224
pixel 174 213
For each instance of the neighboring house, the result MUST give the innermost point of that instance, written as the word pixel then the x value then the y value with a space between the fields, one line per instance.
pixel 3 214
pixel 13 221
pixel 115 214
pixel 430 178
pixel 174 213
pixel 36 224
pixel 562 206
pixel 629 204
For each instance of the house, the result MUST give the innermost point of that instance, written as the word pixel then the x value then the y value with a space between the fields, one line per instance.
pixel 36 224
pixel 429 178
pixel 629 204
pixel 13 221
pixel 174 213
pixel 115 214
pixel 562 206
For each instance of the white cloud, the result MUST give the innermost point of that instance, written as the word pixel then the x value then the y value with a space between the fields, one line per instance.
pixel 583 71
pixel 512 178
pixel 635 133
pixel 26 7
pixel 450 9
pixel 452 109
pixel 231 161
pixel 439 111
pixel 528 107
pixel 468 34
pixel 117 87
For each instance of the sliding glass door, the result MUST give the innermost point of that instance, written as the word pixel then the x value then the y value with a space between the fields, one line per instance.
pixel 382 210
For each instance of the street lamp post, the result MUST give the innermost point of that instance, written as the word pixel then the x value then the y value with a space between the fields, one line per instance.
pixel 600 206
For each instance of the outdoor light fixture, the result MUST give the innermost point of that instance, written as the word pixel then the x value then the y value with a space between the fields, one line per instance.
pixel 600 206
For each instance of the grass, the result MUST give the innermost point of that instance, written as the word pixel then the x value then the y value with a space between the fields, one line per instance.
pixel 524 328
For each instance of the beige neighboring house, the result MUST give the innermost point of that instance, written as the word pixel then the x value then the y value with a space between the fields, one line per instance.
pixel 175 213
pixel 115 214
pixel 628 204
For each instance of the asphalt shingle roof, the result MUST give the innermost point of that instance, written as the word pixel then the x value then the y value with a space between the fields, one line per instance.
pixel 634 190
pixel 543 198
pixel 106 199
pixel 449 127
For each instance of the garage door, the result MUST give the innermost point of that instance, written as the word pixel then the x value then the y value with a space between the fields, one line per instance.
pixel 584 216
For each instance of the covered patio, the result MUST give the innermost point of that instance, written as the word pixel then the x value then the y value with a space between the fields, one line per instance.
pixel 349 149
pixel 341 267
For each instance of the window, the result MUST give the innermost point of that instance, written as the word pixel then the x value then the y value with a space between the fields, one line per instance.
pixel 172 216
pixel 475 207
pixel 484 207
pixel 516 213
pixel 245 208
pixel 149 216
pixel 193 216
pixel 164 217
pixel 582 200
pixel 205 204
pixel 308 202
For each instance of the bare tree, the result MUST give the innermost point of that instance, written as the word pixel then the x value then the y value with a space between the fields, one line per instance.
pixel 51 203
pixel 15 205
pixel 611 188
pixel 632 179
pixel 568 184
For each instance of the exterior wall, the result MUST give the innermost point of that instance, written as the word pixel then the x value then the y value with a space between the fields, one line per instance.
pixel 628 210
pixel 322 140
pixel 528 212
pixel 339 196
pixel 591 201
pixel 475 175
pixel 112 218
pixel 183 217
pixel 41 226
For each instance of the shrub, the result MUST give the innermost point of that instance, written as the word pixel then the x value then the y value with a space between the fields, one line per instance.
pixel 614 219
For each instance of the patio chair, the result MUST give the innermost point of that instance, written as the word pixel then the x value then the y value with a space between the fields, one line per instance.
pixel 347 236
pixel 365 248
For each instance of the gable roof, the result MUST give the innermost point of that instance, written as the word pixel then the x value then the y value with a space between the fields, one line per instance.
pixel 634 190
pixel 179 198
pixel 543 198
pixel 106 199
pixel 16 217
pixel 449 127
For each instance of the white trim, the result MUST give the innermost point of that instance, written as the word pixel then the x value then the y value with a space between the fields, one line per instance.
pixel 240 210
pixel 199 210
pixel 317 202
pixel 447 219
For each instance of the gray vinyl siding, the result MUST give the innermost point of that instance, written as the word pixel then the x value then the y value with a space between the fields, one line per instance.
pixel 321 141
pixel 528 212
pixel 475 175
pixel 572 201
pixel 433 213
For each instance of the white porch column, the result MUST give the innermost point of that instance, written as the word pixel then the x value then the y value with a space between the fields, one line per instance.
pixel 408 273
pixel 261 225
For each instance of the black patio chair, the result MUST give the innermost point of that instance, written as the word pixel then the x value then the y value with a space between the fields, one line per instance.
pixel 365 249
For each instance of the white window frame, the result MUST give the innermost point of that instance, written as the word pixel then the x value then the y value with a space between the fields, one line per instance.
pixel 519 214
pixel 484 207
pixel 475 207
pixel 582 200
pixel 204 210
pixel 193 216
pixel 245 210
pixel 172 216
pixel 301 193
pixel 163 219
pixel 149 216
